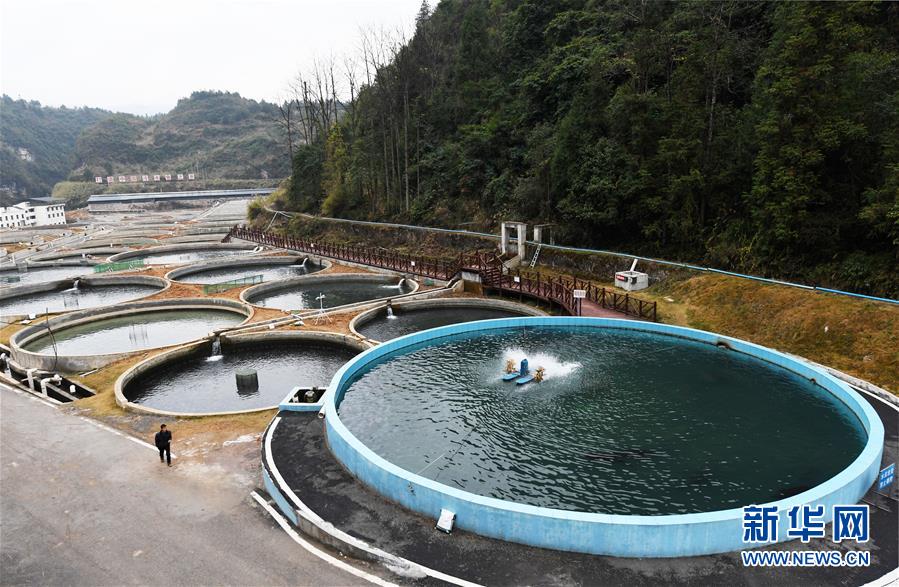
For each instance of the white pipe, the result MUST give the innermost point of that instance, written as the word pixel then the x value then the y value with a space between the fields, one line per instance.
pixel 55 379
pixel 30 375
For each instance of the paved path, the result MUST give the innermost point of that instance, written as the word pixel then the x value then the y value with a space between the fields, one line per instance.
pixel 592 309
pixel 80 505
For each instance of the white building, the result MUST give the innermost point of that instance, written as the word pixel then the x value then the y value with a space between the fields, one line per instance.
pixel 23 215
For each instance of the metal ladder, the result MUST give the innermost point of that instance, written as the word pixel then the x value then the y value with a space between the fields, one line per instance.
pixel 536 254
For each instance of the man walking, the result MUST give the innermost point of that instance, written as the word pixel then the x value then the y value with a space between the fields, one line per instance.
pixel 164 444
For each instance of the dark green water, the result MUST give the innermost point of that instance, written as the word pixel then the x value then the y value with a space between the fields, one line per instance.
pixel 337 293
pixel 207 384
pixel 268 272
pixel 135 332
pixel 383 327
pixel 625 422
pixel 66 300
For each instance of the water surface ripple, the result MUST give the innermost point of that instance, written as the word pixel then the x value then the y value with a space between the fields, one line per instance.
pixel 625 422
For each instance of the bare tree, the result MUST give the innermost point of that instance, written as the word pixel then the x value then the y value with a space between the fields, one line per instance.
pixel 287 122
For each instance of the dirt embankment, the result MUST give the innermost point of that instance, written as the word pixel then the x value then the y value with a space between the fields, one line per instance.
pixel 860 337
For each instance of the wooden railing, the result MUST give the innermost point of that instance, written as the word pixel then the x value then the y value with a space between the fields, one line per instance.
pixel 556 289
pixel 383 258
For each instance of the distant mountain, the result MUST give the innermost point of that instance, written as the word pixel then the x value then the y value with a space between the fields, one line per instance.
pixel 218 134
pixel 37 145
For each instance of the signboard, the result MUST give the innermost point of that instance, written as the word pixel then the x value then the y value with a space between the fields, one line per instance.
pixel 122 179
pixel 886 477
pixel 620 277
pixel 516 279
pixel 190 176
pixel 110 179
pixel 168 177
pixel 145 178
pixel 180 176
pixel 580 294
pixel 156 178
pixel 133 179
pixel 98 179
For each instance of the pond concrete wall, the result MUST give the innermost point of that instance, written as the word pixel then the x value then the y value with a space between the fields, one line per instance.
pixel 78 363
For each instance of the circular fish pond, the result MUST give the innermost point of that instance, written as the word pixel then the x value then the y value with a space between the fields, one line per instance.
pixel 12 278
pixel 133 332
pixel 266 270
pixel 172 254
pixel 616 433
pixel 338 290
pixel 205 380
pixel 80 294
pixel 387 323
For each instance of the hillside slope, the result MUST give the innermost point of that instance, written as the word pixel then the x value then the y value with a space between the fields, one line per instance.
pixel 49 135
pixel 218 134
pixel 754 136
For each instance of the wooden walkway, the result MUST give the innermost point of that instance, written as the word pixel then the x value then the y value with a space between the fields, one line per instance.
pixel 558 290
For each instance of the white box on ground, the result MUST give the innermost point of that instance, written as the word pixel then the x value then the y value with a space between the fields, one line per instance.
pixel 445 521
pixel 631 280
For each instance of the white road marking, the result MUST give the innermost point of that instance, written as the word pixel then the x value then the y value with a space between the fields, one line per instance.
pixel 285 525
pixel 84 418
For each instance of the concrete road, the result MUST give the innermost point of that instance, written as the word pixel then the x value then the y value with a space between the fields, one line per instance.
pixel 80 505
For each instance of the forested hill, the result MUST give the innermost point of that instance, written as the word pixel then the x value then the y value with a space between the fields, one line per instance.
pixel 48 135
pixel 221 134
pixel 758 136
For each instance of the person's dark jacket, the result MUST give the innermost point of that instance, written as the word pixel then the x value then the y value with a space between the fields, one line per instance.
pixel 163 438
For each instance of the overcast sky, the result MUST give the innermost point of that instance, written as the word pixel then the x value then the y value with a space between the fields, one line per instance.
pixel 141 56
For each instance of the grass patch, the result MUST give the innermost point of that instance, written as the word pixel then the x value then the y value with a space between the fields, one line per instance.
pixel 857 336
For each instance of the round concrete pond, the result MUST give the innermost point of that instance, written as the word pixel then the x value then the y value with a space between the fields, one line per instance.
pixel 182 253
pixel 13 278
pixel 77 294
pixel 641 439
pixel 265 268
pixel 203 379
pixel 88 339
pixel 338 290
pixel 137 332
pixel 386 323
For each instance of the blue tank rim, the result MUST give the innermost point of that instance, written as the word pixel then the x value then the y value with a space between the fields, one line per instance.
pixel 850 484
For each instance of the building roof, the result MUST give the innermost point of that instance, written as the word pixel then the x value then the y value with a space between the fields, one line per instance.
pixel 189 195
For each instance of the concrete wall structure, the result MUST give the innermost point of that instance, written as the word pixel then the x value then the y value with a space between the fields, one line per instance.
pixel 607 534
